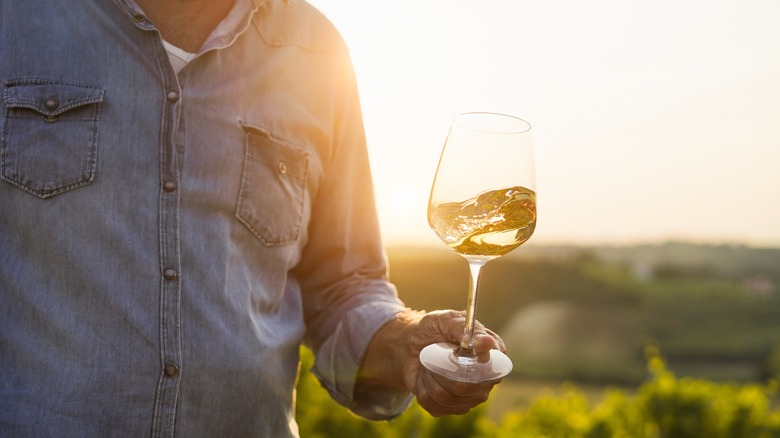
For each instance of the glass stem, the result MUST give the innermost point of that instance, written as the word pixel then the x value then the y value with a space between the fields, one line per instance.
pixel 467 342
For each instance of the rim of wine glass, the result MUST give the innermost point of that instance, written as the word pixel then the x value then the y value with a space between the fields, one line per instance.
pixel 522 125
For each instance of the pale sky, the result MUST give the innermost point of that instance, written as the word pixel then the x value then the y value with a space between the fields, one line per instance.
pixel 651 120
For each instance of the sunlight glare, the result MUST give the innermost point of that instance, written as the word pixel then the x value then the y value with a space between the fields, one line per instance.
pixel 639 135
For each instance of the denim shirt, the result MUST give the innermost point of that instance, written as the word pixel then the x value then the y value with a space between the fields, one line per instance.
pixel 168 241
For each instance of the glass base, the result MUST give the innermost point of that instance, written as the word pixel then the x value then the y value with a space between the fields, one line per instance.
pixel 441 359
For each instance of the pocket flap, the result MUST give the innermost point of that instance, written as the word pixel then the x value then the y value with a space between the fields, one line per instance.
pixel 50 99
pixel 272 196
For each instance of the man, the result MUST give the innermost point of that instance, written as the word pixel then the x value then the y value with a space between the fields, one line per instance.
pixel 186 198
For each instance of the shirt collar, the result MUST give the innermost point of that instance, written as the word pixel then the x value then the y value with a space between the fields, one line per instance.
pixel 234 23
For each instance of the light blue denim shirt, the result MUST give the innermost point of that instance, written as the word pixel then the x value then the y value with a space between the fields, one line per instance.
pixel 168 241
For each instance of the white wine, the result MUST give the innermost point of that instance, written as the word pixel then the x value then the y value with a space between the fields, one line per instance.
pixel 482 205
pixel 491 224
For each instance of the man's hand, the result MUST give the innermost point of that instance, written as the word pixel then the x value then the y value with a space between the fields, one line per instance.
pixel 392 361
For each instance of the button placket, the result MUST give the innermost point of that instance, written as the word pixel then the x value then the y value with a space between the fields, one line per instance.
pixel 170 260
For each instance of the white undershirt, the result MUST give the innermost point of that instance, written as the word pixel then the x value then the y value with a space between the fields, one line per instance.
pixel 179 58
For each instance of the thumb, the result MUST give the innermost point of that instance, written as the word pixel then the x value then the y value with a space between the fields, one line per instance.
pixel 487 340
pixel 483 343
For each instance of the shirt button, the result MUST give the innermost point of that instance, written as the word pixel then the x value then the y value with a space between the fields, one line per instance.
pixel 171 370
pixel 173 96
pixel 169 186
pixel 51 103
pixel 139 18
pixel 170 274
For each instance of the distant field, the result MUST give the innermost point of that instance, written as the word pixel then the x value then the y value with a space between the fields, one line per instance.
pixel 587 314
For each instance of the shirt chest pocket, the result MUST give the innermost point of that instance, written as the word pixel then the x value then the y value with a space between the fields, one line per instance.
pixel 49 139
pixel 271 201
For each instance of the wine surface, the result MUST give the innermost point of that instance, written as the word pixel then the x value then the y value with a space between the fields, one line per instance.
pixel 491 224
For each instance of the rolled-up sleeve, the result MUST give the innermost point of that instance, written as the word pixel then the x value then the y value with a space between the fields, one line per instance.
pixel 338 361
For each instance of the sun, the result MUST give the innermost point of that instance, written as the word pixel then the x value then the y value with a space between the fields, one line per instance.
pixel 402 209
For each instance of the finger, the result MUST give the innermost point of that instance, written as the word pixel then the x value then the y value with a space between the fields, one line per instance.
pixel 445 325
pixel 438 400
pixel 469 392
pixel 484 343
pixel 424 398
pixel 453 394
pixel 500 342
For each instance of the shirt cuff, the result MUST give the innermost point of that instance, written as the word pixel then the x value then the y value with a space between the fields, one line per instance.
pixel 339 359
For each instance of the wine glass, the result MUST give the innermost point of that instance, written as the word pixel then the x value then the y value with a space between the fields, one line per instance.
pixel 482 205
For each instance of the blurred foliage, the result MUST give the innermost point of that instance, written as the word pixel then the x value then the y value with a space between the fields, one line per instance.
pixel 663 406
pixel 602 314
pixel 318 416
